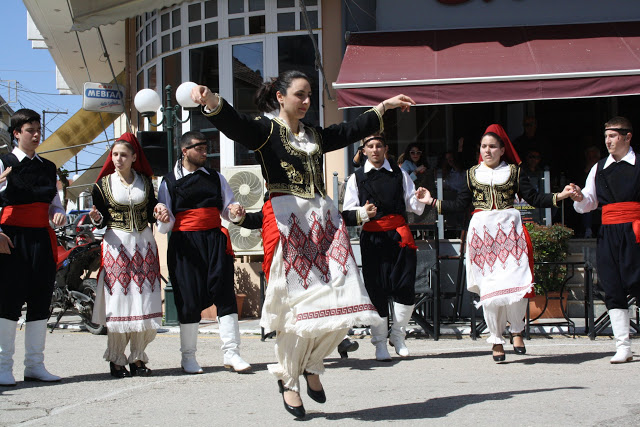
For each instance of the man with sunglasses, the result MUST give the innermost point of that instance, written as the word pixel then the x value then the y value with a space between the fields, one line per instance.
pixel 614 184
pixel 377 197
pixel 200 257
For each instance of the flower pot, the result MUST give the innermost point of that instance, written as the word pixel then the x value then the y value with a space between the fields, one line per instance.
pixel 211 313
pixel 554 309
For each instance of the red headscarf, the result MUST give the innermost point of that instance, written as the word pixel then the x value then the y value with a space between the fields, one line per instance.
pixel 510 155
pixel 141 165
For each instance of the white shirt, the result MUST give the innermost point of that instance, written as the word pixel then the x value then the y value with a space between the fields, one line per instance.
pixel 590 200
pixel 352 200
pixel 55 206
pixel 165 198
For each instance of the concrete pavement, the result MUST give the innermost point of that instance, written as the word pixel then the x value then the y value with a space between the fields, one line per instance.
pixel 561 381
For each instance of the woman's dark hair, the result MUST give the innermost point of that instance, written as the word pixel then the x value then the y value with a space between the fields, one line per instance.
pixel 407 155
pixel 265 97
pixel 496 136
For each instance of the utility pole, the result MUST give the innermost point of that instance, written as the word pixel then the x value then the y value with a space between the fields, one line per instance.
pixel 44 122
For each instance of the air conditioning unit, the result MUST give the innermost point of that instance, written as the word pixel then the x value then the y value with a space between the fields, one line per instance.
pixel 243 240
pixel 248 188
pixel 247 185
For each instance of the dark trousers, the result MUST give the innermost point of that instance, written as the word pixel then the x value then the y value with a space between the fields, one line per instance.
pixel 201 273
pixel 27 275
pixel 618 264
pixel 389 270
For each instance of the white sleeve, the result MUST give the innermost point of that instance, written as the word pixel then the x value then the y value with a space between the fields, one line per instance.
pixel 227 198
pixel 410 200
pixel 590 200
pixel 352 200
pixel 165 198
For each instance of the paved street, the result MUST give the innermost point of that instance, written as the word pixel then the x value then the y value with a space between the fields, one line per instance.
pixel 562 381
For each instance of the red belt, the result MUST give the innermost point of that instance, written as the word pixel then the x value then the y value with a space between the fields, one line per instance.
pixel 201 219
pixel 392 222
pixel 32 215
pixel 621 213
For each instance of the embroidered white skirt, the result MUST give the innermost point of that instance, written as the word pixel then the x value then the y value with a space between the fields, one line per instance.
pixel 498 258
pixel 128 298
pixel 314 285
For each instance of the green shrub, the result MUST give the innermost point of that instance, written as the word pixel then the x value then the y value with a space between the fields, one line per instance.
pixel 550 243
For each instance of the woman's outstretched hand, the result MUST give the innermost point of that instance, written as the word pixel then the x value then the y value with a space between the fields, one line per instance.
pixel 203 96
pixel 403 101
pixel 424 196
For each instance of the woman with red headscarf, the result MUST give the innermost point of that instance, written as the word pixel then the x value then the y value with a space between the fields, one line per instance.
pixel 500 255
pixel 128 299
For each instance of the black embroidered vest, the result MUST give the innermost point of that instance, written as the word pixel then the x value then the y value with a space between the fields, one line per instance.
pixel 30 181
pixel 384 189
pixel 196 190
pixel 620 182
pixel 124 216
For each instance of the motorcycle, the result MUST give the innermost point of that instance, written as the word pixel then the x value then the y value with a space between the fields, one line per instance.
pixel 74 289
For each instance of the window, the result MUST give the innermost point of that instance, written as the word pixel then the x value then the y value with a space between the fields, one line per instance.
pixel 194 12
pixel 248 75
pixel 195 35
pixel 296 52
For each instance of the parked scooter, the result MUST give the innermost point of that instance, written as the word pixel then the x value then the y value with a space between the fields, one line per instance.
pixel 74 288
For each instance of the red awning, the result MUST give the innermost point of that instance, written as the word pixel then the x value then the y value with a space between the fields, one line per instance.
pixel 491 64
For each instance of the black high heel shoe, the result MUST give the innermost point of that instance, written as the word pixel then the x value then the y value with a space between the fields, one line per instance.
pixel 347 346
pixel 318 396
pixel 498 357
pixel 118 373
pixel 518 350
pixel 296 411
pixel 139 371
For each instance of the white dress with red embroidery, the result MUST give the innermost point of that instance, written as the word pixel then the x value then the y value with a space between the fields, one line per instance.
pixel 498 258
pixel 315 286
pixel 129 294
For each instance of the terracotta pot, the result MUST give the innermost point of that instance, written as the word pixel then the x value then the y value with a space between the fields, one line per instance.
pixel 211 313
pixel 554 309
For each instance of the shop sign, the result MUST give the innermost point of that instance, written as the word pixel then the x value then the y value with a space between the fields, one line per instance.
pixel 103 97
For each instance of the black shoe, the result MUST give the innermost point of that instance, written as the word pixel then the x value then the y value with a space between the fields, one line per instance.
pixel 118 373
pixel 139 371
pixel 498 357
pixel 518 350
pixel 318 396
pixel 296 411
pixel 347 346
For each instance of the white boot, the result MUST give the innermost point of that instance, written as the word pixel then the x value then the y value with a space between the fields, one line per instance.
pixel 401 316
pixel 34 337
pixel 7 348
pixel 620 325
pixel 230 336
pixel 379 335
pixel 188 340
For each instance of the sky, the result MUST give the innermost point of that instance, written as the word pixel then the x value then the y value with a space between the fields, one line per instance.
pixel 34 71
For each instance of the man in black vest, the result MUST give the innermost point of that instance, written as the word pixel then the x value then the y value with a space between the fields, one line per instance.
pixel 29 199
pixel 377 197
pixel 200 257
pixel 614 184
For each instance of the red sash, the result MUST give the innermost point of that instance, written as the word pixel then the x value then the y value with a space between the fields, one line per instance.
pixel 270 237
pixel 32 215
pixel 621 213
pixel 201 219
pixel 392 222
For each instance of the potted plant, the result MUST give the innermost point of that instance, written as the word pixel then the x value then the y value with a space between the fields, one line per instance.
pixel 550 244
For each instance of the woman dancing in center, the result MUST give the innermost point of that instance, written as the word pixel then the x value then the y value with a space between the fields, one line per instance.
pixel 315 292
pixel 500 255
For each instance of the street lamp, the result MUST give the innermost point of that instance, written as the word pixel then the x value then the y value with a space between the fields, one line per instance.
pixel 147 102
